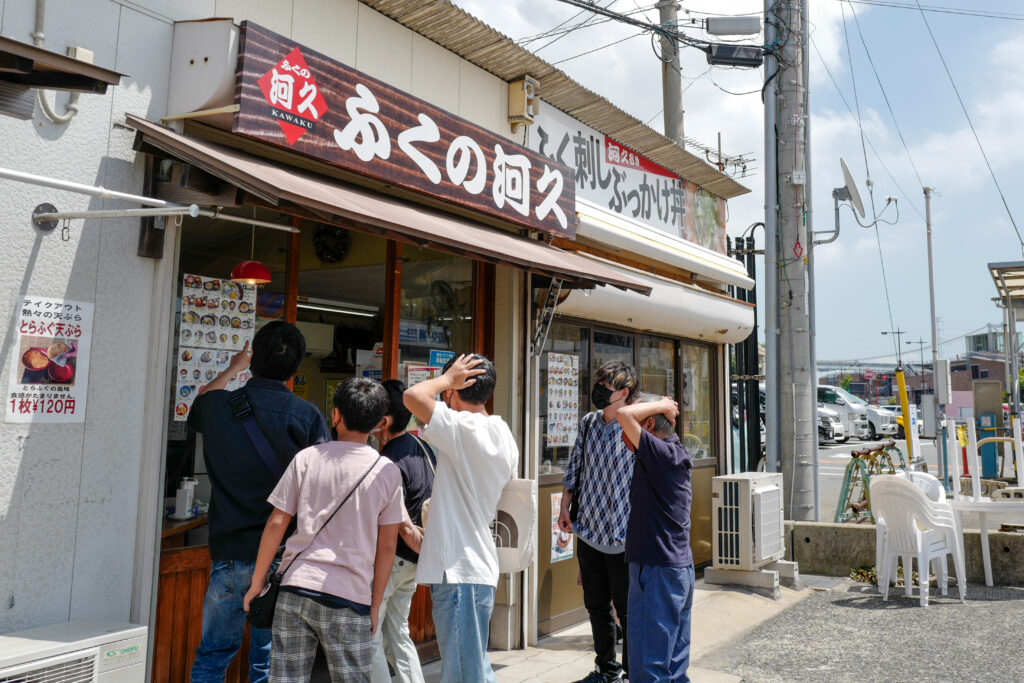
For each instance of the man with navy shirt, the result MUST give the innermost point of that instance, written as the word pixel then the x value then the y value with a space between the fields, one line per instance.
pixel 658 542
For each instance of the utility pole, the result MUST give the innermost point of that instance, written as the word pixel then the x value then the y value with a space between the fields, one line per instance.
pixel 899 354
pixel 786 197
pixel 920 346
pixel 671 74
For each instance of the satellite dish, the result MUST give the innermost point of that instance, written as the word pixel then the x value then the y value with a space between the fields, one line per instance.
pixel 851 187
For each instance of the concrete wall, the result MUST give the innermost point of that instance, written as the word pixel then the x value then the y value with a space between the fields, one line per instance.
pixel 835 549
pixel 69 493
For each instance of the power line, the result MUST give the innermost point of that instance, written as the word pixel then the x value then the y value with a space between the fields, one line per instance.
pixel 885 96
pixel 589 20
pixel 871 145
pixel 588 52
pixel 971 124
pixel 936 9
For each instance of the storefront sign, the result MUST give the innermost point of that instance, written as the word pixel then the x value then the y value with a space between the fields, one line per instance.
pixel 217 318
pixel 299 99
pixel 561 541
pixel 49 377
pixel 563 399
pixel 629 184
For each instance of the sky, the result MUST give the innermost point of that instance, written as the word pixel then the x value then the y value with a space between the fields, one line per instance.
pixel 866 273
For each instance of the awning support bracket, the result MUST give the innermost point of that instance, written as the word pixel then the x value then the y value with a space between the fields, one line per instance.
pixel 545 316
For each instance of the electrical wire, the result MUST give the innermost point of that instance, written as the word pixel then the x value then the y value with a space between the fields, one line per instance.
pixel 871 188
pixel 589 21
pixel 878 156
pixel 937 9
pixel 588 52
pixel 971 124
pixel 885 96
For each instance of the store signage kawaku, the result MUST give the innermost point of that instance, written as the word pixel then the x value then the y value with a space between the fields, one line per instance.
pixel 297 98
pixel 50 363
pixel 614 176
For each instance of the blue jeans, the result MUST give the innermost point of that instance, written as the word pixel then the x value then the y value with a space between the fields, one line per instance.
pixel 660 599
pixel 462 618
pixel 224 624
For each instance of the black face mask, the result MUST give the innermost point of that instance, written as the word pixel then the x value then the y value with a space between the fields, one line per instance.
pixel 601 396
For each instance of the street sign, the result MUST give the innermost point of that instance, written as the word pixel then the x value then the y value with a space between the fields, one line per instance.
pixel 869 375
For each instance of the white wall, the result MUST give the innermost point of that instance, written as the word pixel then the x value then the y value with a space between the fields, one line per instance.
pixel 69 493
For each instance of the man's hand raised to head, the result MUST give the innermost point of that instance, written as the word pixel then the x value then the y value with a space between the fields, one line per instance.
pixel 463 372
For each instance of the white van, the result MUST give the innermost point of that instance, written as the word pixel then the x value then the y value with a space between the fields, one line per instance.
pixel 852 411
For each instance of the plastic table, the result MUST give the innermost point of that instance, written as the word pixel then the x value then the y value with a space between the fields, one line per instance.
pixel 983 506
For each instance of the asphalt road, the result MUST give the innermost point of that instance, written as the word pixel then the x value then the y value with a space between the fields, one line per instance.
pixel 832 462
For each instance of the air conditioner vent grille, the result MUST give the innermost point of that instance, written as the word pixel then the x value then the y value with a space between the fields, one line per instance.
pixel 729 525
pixel 76 670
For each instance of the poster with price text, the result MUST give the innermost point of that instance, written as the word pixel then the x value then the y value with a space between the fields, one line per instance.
pixel 49 377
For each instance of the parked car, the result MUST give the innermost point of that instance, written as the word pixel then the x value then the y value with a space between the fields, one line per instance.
pixel 852 410
pixel 830 427
pixel 881 423
pixel 897 412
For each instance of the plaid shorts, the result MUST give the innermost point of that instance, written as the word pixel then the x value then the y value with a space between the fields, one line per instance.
pixel 300 622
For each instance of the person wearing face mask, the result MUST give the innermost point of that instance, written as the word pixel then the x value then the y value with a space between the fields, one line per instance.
pixel 598 476
pixel 476 457
pixel 392 644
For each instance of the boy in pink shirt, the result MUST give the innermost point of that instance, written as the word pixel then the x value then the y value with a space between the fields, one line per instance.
pixel 332 592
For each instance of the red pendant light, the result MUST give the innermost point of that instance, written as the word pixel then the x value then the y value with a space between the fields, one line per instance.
pixel 251 272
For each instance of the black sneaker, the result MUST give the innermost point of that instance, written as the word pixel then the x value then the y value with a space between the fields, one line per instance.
pixel 598 677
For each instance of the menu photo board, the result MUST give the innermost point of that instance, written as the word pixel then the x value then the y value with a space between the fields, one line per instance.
pixel 217 318
pixel 563 399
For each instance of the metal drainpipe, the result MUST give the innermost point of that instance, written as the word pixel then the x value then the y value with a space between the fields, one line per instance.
pixel 38 38
pixel 809 207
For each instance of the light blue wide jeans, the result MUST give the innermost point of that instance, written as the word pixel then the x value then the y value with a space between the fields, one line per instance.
pixel 462 618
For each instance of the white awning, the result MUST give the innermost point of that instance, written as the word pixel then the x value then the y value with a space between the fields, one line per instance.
pixel 672 308
pixel 616 231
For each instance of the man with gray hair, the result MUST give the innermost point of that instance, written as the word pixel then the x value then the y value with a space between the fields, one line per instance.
pixel 658 542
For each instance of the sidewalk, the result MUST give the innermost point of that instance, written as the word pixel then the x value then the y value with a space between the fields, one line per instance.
pixel 720 613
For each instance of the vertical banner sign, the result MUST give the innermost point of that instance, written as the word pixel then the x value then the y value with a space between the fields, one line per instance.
pixel 294 97
pixel 561 541
pixel 49 377
pixel 563 399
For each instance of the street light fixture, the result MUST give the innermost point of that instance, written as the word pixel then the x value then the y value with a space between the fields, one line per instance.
pixel 899 356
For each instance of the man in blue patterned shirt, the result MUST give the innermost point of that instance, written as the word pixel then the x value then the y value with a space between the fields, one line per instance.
pixel 599 473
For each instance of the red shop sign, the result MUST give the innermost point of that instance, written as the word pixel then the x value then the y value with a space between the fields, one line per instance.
pixel 299 99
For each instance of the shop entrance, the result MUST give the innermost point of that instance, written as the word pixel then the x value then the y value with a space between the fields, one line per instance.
pixel 367 306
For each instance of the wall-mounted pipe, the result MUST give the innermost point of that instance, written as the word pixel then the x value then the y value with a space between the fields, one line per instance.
pixel 38 38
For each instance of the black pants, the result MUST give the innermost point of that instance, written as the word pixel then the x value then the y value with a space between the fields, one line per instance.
pixel 605 583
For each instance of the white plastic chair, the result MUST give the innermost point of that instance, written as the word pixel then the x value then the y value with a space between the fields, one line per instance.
pixel 914 525
pixel 932 488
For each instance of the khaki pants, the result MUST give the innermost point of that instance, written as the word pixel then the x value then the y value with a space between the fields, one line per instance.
pixel 393 644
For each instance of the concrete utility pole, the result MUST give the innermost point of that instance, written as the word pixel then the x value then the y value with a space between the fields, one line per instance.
pixel 671 74
pixel 785 203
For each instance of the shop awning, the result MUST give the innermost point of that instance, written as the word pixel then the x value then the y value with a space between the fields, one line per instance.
pixel 672 308
pixel 33 67
pixel 282 185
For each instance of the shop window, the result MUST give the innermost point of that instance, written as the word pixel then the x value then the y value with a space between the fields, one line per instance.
pixel 436 311
pixel 696 399
pixel 609 346
pixel 656 366
pixel 564 392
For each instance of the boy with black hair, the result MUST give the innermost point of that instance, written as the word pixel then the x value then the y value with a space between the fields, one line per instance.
pixel 240 482
pixel 597 479
pixel 336 566
pixel 477 456
pixel 392 644
pixel 658 543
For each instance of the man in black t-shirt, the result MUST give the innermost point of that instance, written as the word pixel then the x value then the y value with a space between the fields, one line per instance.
pixel 241 482
pixel 392 644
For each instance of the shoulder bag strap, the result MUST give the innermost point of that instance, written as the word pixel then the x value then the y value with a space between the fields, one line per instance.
pixel 583 456
pixel 426 453
pixel 243 412
pixel 344 500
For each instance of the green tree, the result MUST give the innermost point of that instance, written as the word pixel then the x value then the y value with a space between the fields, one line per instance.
pixel 846 382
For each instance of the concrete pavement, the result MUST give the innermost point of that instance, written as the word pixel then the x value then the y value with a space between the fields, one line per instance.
pixel 720 614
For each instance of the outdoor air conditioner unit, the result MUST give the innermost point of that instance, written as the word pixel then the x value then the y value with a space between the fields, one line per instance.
pixel 75 652
pixel 747 527
pixel 319 340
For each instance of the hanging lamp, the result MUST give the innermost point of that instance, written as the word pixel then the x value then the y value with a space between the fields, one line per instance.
pixel 251 272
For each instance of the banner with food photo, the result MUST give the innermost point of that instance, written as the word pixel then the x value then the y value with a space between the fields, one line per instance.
pixel 561 541
pixel 50 367
pixel 217 318
pixel 563 398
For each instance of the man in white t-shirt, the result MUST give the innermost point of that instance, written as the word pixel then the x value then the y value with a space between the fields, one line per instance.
pixel 476 457
pixel 336 565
